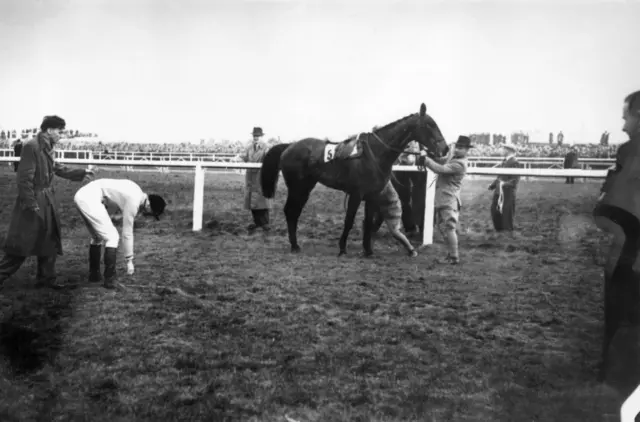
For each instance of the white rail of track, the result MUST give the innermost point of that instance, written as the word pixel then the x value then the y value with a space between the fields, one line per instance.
pixel 201 166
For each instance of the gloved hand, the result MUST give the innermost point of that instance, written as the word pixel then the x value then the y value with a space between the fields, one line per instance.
pixel 130 267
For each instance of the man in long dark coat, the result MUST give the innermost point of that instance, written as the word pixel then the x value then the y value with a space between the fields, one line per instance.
pixel 618 213
pixel 35 225
pixel 571 162
pixel 503 204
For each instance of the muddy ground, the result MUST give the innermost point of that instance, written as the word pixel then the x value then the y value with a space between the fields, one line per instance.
pixel 221 326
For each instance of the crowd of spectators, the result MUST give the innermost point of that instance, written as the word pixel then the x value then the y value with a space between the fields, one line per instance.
pixel 235 147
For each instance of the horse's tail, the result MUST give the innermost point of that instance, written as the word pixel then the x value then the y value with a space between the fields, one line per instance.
pixel 271 170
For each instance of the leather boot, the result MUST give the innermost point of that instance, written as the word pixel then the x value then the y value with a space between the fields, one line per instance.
pixel 46 273
pixel 110 267
pixel 95 256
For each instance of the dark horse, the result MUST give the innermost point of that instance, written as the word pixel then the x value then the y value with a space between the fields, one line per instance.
pixel 303 165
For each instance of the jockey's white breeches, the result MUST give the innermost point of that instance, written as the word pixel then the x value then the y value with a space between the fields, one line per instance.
pixel 88 199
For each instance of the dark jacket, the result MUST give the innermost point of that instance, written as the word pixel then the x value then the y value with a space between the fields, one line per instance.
pixel 571 160
pixel 509 181
pixel 31 233
pixel 621 188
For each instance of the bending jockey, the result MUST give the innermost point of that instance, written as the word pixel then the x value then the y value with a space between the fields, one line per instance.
pixel 131 200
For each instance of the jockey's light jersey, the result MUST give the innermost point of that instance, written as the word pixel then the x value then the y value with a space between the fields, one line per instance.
pixel 124 194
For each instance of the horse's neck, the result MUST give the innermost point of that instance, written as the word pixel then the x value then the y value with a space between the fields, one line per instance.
pixel 390 145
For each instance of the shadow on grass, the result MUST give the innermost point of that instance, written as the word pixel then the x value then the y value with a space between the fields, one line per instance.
pixel 32 329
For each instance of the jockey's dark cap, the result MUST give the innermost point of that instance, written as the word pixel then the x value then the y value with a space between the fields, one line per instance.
pixel 157 204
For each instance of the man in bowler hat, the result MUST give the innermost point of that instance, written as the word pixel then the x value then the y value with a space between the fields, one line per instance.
pixel 253 198
pixel 447 201
pixel 571 162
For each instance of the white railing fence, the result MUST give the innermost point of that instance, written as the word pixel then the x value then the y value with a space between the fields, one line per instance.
pixel 427 239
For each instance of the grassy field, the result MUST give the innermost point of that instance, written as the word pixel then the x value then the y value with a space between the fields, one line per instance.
pixel 222 326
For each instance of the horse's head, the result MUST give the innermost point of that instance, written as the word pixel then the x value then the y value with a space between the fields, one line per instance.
pixel 427 133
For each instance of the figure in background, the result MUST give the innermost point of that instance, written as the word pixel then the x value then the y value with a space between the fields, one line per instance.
pixel 17 150
pixel 503 203
pixel 253 198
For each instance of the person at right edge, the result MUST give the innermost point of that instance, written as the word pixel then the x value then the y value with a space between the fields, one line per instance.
pixel 617 212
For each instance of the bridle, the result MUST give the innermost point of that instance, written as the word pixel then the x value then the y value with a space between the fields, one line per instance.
pixel 401 152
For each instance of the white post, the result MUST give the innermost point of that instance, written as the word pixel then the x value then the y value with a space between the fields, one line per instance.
pixel 198 197
pixel 631 407
pixel 429 200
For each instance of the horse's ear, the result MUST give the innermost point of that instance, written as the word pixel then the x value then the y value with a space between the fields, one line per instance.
pixel 423 109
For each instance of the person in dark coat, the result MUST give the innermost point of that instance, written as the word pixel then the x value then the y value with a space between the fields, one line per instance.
pixel 34 229
pixel 254 200
pixel 17 150
pixel 617 212
pixel 503 204
pixel 571 162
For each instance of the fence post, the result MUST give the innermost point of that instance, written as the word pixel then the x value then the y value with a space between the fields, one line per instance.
pixel 429 200
pixel 198 197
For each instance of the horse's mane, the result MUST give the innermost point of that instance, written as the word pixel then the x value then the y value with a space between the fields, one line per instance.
pixel 400 120
pixel 387 126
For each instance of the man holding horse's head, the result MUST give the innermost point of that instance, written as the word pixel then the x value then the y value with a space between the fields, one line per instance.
pixel 447 201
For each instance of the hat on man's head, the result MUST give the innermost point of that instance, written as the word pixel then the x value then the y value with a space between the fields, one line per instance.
pixel 257 131
pixel 52 122
pixel 157 204
pixel 464 142
pixel 510 147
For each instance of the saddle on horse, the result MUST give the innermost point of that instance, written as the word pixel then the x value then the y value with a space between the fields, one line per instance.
pixel 347 149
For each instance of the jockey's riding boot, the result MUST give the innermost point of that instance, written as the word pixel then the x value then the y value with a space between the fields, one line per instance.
pixel 110 267
pixel 95 256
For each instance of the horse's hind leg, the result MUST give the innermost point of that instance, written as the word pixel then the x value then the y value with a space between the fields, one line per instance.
pixel 369 209
pixel 297 198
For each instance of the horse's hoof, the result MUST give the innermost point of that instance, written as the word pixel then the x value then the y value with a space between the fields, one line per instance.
pixel 295 249
pixel 367 254
pixel 342 253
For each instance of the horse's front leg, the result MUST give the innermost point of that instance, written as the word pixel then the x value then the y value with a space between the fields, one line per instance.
pixel 369 211
pixel 352 210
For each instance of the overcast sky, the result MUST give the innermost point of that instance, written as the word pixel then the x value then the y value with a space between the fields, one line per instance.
pixel 184 70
